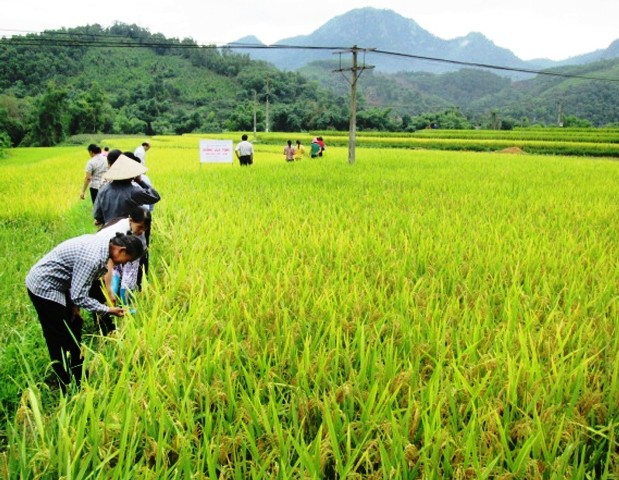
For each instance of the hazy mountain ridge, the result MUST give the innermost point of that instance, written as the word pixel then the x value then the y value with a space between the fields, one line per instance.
pixel 389 31
pixel 175 89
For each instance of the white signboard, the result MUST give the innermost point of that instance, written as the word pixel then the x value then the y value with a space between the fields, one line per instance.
pixel 216 151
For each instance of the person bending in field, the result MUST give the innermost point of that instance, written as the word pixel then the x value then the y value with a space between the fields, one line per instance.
pixel 144 259
pixel 58 286
pixel 322 145
pixel 126 190
pixel 129 189
pixel 121 280
pixel 314 148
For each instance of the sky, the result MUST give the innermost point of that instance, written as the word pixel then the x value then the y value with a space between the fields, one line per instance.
pixel 554 29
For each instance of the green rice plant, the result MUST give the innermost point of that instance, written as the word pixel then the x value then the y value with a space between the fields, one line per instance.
pixel 551 141
pixel 420 314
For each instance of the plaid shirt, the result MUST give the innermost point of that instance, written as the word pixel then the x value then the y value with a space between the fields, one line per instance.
pixel 71 268
pixel 96 167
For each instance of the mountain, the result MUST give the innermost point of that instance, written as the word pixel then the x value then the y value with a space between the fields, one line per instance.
pixel 56 84
pixel 477 92
pixel 387 31
pixel 123 79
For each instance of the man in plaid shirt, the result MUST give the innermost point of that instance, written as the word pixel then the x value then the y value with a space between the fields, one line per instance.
pixel 59 285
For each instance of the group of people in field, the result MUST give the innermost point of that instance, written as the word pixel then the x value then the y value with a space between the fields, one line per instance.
pixel 296 153
pixel 245 150
pixel 100 271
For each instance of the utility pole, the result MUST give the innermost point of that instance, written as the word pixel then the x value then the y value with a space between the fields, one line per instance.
pixel 255 102
pixel 266 119
pixel 356 71
pixel 560 115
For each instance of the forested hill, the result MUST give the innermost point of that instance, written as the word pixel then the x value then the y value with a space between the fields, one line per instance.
pixel 125 80
pixel 571 95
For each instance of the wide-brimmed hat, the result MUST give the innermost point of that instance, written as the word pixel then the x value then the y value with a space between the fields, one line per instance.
pixel 124 168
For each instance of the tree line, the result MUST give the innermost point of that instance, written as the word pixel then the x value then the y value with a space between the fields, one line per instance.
pixel 126 80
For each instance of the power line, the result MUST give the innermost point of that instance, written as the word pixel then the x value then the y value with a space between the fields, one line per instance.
pixel 91 40
pixel 53 32
pixel 496 67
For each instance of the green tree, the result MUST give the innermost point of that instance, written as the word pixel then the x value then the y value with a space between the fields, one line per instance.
pixel 407 123
pixel 5 142
pixel 575 122
pixel 242 119
pixel 90 112
pixel 379 119
pixel 453 119
pixel 126 122
pixel 49 122
pixel 13 115
pixel 151 102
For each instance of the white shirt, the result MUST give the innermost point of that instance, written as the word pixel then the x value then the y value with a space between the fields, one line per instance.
pixel 110 231
pixel 245 148
pixel 121 226
pixel 140 152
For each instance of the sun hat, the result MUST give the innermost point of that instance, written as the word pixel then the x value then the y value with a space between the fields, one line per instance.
pixel 124 168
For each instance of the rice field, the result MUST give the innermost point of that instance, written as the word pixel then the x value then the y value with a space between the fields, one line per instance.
pixel 419 314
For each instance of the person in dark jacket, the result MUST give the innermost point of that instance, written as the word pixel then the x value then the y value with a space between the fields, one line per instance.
pixel 125 191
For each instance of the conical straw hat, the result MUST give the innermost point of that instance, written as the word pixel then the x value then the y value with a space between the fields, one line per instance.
pixel 124 168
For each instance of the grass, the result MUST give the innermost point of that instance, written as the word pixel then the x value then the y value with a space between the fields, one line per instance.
pixel 417 315
pixel 542 141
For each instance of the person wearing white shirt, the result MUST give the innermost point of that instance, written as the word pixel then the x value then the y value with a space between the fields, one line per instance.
pixel 244 151
pixel 121 280
pixel 140 152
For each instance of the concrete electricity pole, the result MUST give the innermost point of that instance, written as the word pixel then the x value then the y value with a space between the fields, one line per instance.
pixel 266 116
pixel 255 105
pixel 356 71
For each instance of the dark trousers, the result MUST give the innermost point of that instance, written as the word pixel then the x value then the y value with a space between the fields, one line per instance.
pixel 63 334
pixel 143 271
pixel 245 160
pixel 103 320
pixel 93 194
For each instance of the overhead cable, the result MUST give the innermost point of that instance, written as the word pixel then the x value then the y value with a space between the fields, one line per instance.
pixel 103 41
